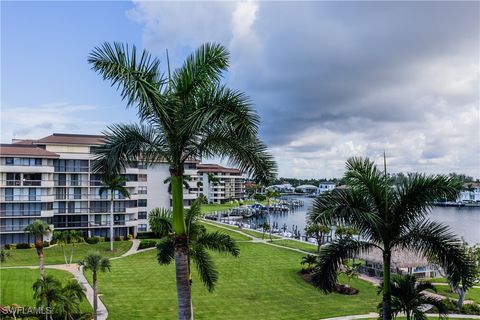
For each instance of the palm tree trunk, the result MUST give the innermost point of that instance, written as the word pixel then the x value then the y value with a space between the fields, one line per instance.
pixel 387 295
pixel 184 294
pixel 111 220
pixel 95 302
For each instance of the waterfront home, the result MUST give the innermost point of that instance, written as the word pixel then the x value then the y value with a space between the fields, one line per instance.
pixel 284 188
pixel 325 186
pixel 470 192
pixel 306 188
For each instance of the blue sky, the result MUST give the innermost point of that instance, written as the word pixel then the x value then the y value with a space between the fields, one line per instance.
pixel 329 79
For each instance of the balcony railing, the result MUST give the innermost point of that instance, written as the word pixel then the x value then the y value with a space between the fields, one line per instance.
pixel 18 213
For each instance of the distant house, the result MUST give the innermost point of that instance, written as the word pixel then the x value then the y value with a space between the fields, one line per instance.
pixel 470 192
pixel 325 186
pixel 306 188
pixel 284 188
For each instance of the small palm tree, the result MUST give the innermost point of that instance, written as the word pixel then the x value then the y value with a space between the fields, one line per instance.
pixel 47 291
pixel 388 218
pixel 310 260
pixel 95 263
pixel 113 184
pixel 4 255
pixel 409 297
pixel 39 229
pixel 199 241
pixel 189 114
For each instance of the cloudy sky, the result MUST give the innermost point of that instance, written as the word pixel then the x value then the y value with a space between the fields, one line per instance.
pixel 329 79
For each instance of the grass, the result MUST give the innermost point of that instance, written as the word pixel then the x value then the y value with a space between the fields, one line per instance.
pixel 297 245
pixel 16 286
pixel 54 254
pixel 259 234
pixel 437 280
pixel 260 284
pixel 472 294
pixel 234 235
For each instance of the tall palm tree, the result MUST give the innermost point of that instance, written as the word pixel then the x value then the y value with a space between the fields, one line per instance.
pixel 408 297
pixel 388 218
pixel 95 263
pixel 39 229
pixel 199 241
pixel 189 114
pixel 113 184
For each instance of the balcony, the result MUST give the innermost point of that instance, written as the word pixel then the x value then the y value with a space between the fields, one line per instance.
pixel 47 213
pixel 27 169
pixel 27 198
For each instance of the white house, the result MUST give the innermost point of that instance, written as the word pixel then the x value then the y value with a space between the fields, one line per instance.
pixel 286 187
pixel 325 186
pixel 306 188
pixel 470 193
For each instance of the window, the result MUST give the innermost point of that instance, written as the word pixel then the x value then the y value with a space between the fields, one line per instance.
pixel 142 215
pixel 142 202
pixel 142 227
pixel 142 190
pixel 142 177
pixel 9 194
pixel 23 161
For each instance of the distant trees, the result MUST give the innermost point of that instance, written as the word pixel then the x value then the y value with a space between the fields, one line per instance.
pixel 64 238
pixel 316 231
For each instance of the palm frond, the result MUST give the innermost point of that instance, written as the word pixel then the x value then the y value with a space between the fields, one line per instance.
pixel 165 250
pixel 200 69
pixel 330 259
pixel 205 266
pixel 160 221
pixel 440 245
pixel 126 143
pixel 219 242
pixel 137 77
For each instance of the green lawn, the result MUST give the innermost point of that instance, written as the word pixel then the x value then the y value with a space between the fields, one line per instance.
pixel 297 245
pixel 234 235
pixel 259 234
pixel 16 286
pixel 472 294
pixel 54 254
pixel 260 284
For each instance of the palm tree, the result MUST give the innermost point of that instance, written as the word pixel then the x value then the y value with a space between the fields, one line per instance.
pixel 190 114
pixel 69 308
pixel 408 297
pixel 113 184
pixel 4 254
pixel 388 218
pixel 310 260
pixel 39 229
pixel 199 241
pixel 47 291
pixel 95 263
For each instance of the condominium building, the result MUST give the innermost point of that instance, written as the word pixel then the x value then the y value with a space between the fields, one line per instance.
pixel 219 184
pixel 51 179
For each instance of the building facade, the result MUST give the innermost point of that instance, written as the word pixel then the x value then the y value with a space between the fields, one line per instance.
pixel 51 179
pixel 219 184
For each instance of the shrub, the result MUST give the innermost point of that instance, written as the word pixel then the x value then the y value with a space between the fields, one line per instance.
pixel 92 240
pixel 23 246
pixel 147 244
pixel 118 238
pixel 470 308
pixel 146 235
pixel 130 237
pixel 103 239
pixel 46 244
pixel 10 246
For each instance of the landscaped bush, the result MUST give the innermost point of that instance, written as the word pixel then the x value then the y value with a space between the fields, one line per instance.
pixel 470 308
pixel 46 244
pixel 451 306
pixel 146 235
pixel 23 246
pixel 130 237
pixel 92 240
pixel 147 244
pixel 10 246
pixel 103 239
pixel 117 238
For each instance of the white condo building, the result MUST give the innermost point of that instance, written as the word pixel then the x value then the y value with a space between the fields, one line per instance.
pixel 51 179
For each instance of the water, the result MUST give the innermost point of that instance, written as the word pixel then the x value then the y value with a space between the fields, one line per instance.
pixel 463 221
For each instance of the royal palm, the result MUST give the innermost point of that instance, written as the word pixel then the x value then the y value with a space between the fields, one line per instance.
pixel 112 184
pixel 388 218
pixel 187 114
pixel 199 242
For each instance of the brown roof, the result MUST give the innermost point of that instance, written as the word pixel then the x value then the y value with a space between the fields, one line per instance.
pixel 25 150
pixel 401 258
pixel 63 138
pixel 212 168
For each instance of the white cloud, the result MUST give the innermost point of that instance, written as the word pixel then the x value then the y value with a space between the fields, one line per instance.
pixel 34 122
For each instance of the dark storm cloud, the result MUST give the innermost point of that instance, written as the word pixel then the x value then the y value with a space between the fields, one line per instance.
pixel 335 79
pixel 323 60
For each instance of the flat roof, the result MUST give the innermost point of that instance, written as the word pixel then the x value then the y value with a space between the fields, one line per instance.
pixel 212 168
